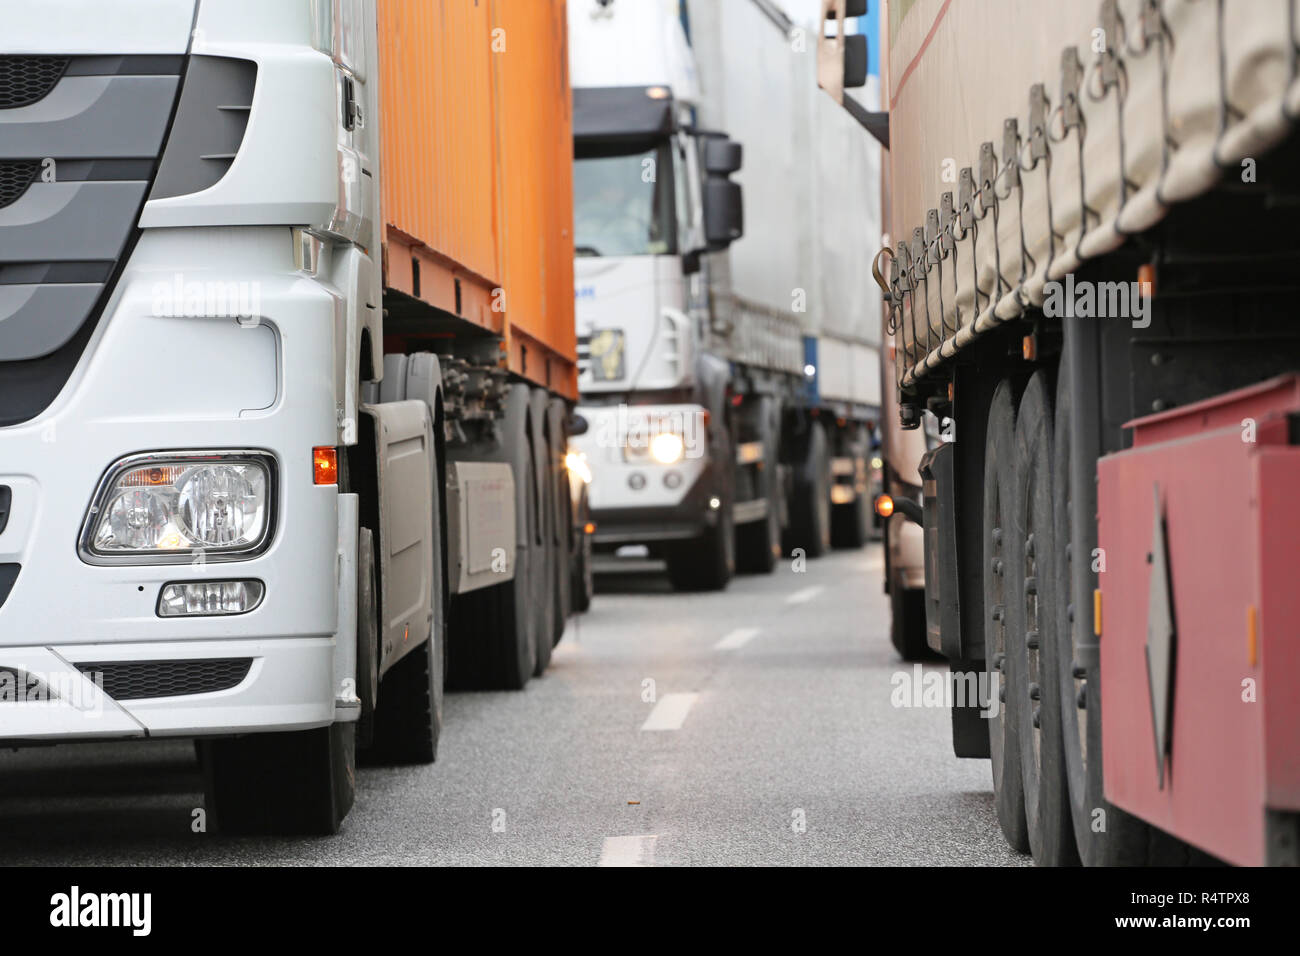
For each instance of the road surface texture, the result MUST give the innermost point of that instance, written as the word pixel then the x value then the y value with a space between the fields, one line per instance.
pixel 753 726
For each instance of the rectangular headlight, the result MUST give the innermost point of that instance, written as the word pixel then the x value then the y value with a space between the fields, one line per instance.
pixel 164 506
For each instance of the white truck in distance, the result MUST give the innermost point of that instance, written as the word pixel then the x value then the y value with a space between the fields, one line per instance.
pixel 729 385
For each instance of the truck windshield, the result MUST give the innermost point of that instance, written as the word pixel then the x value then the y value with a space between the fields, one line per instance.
pixel 623 202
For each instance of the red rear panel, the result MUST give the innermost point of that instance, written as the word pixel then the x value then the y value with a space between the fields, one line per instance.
pixel 1232 531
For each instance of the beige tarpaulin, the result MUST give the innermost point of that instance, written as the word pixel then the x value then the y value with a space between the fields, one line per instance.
pixel 1171 96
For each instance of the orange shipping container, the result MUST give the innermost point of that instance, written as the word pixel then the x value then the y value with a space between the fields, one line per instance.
pixel 477 171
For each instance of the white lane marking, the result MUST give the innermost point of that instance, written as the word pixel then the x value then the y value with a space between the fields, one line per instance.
pixel 737 638
pixel 670 713
pixel 872 564
pixel 805 595
pixel 628 851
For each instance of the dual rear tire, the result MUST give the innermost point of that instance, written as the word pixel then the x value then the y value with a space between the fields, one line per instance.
pixel 1045 743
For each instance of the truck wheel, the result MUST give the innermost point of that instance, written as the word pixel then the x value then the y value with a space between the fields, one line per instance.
pixel 541 564
pixel 1000 559
pixel 493 630
pixel 707 563
pixel 561 516
pixel 1032 623
pixel 1104 835
pixel 758 543
pixel 584 579
pixel 907 622
pixel 810 507
pixel 285 784
pixel 851 524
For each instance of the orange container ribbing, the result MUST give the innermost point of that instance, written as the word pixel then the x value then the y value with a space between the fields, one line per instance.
pixel 476 170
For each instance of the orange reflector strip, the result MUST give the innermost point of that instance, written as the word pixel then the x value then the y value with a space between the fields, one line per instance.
pixel 1029 348
pixel 1096 612
pixel 1252 634
pixel 325 465
pixel 884 506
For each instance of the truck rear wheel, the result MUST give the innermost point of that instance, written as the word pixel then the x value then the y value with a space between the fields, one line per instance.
pixel 1001 556
pixel 285 784
pixel 1032 618
pixel 493 631
pixel 1104 835
pixel 810 506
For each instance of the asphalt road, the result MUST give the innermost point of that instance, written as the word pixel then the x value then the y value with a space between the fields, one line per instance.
pixel 779 747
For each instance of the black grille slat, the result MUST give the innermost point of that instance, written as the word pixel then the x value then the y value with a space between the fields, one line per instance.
pixel 15 177
pixel 137 680
pixel 25 80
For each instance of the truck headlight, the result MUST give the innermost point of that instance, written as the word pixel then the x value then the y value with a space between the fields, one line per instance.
pixel 158 508
pixel 667 448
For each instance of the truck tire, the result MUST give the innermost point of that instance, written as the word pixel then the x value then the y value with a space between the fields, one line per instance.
pixel 907 622
pixel 300 783
pixel 493 631
pixel 584 578
pixel 542 565
pixel 1104 835
pixel 851 524
pixel 708 562
pixel 562 515
pixel 810 505
pixel 758 543
pixel 1001 554
pixel 1032 624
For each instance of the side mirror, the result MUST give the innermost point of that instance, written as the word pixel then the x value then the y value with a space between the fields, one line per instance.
pixel 722 157
pixel 724 213
pixel 577 425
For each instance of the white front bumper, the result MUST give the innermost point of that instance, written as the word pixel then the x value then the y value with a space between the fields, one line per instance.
pixel 288 687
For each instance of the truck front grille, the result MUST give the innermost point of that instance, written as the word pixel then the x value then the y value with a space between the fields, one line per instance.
pixel 80 139
pixel 137 680
pixel 15 177
pixel 25 80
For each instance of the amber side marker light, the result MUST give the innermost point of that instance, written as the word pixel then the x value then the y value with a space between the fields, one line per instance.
pixel 325 465
pixel 590 527
pixel 884 506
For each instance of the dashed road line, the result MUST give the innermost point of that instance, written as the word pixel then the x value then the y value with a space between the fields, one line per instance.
pixel 628 851
pixel 735 639
pixel 670 713
pixel 804 595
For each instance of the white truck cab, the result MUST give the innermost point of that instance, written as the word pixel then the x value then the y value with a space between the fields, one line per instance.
pixel 651 197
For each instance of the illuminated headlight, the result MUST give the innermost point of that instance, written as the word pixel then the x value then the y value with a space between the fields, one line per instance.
pixel 576 462
pixel 209 598
pixel 162 507
pixel 667 448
